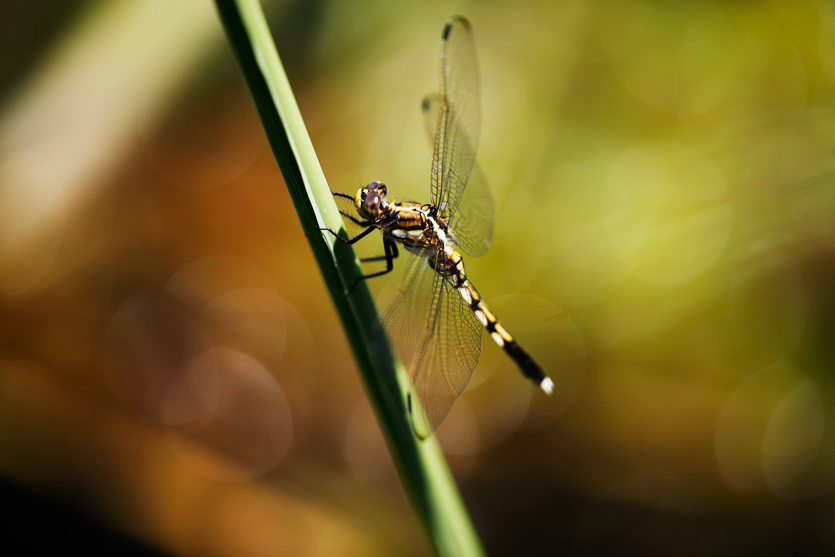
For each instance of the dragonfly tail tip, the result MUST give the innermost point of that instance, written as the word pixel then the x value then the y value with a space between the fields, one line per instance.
pixel 547 385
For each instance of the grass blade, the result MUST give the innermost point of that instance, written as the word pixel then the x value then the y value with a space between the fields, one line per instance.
pixel 421 465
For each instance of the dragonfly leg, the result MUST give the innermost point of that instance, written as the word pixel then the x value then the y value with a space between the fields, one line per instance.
pixel 347 196
pixel 369 224
pixel 347 215
pixel 353 240
pixel 355 220
pixel 391 254
pixel 394 254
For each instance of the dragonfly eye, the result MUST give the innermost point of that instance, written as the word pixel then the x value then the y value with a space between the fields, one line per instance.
pixel 372 202
pixel 378 186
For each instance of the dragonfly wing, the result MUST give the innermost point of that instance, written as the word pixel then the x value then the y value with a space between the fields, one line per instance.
pixel 472 221
pixel 446 358
pixel 458 121
pixel 429 107
pixel 406 315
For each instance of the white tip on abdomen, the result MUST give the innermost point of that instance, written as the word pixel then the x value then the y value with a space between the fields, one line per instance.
pixel 547 385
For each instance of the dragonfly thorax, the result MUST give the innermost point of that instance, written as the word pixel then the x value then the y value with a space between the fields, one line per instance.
pixel 370 200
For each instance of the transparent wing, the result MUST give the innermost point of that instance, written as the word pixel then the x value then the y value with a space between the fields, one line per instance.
pixel 444 362
pixel 404 319
pixel 472 222
pixel 429 107
pixel 439 339
pixel 459 117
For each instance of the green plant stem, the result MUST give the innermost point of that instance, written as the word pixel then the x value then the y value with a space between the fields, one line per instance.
pixel 421 465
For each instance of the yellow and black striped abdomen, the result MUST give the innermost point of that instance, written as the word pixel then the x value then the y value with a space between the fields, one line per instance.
pixel 527 365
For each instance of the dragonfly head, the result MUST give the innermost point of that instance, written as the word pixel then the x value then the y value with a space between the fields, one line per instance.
pixel 371 200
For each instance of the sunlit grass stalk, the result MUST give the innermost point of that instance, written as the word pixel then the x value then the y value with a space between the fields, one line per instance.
pixel 421 465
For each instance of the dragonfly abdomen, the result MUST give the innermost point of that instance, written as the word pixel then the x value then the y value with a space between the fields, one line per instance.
pixel 499 334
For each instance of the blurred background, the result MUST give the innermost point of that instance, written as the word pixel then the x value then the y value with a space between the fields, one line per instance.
pixel 173 378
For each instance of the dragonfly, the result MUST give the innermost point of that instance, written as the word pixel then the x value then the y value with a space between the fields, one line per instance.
pixel 436 318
